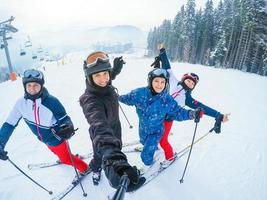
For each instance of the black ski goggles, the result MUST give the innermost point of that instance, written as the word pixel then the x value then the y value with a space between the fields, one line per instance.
pixel 32 73
pixel 93 58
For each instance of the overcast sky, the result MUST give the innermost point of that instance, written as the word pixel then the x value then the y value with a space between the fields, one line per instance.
pixel 40 15
pixel 53 23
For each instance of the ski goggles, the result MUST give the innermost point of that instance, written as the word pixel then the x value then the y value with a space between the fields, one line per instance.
pixel 192 76
pixel 32 73
pixel 95 57
pixel 161 72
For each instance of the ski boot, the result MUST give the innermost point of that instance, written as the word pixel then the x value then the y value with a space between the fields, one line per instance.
pixel 96 177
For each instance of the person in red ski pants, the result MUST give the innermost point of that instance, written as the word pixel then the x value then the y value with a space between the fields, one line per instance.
pixel 181 91
pixel 45 116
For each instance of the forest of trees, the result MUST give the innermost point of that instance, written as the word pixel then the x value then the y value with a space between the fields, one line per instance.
pixel 233 35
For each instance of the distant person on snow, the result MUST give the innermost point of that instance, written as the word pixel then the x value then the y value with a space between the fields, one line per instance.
pixel 45 116
pixel 152 104
pixel 181 92
pixel 101 109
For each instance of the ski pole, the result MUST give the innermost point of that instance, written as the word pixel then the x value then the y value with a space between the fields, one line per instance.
pixel 75 169
pixel 50 192
pixel 191 146
pixel 120 192
pixel 130 126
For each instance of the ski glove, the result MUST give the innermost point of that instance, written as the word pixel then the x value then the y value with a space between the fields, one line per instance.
pixel 124 168
pixel 156 63
pixel 218 123
pixel 196 114
pixel 162 50
pixel 3 154
pixel 66 131
pixel 118 63
pixel 116 166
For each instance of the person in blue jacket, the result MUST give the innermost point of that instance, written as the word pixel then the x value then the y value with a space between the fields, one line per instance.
pixel 45 116
pixel 181 92
pixel 152 104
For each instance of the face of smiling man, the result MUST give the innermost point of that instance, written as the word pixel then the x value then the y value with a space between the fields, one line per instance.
pixel 33 88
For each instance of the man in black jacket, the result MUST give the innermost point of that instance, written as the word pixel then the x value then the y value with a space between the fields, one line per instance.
pixel 101 108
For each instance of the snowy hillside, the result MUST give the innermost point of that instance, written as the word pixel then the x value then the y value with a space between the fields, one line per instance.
pixel 228 166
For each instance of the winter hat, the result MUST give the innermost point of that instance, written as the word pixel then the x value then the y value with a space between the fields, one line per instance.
pixel 157 73
pixel 97 61
pixel 33 75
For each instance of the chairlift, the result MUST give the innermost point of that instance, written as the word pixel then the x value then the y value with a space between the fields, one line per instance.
pixel 34 56
pixel 39 50
pixel 2 45
pixel 28 43
pixel 22 52
pixel 8 37
pixel 41 59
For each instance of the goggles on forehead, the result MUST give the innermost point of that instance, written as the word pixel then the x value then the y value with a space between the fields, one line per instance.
pixel 31 73
pixel 191 75
pixel 161 72
pixel 93 58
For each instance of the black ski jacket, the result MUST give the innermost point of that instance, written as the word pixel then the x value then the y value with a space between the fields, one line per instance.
pixel 101 109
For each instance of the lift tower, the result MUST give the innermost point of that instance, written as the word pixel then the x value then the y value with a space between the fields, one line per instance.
pixel 6 27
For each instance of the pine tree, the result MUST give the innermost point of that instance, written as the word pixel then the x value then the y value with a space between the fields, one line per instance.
pixel 228 29
pixel 253 59
pixel 219 50
pixel 198 38
pixel 177 37
pixel 189 29
pixel 233 35
pixel 208 39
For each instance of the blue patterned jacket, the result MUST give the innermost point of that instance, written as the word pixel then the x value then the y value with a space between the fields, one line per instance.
pixel 152 110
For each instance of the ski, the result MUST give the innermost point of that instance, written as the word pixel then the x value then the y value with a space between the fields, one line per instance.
pixel 54 163
pixel 73 184
pixel 85 156
pixel 156 168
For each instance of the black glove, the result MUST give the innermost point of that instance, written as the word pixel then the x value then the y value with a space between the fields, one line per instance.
pixel 133 173
pixel 156 63
pixel 196 114
pixel 66 131
pixel 116 166
pixel 3 154
pixel 162 50
pixel 118 63
pixel 218 123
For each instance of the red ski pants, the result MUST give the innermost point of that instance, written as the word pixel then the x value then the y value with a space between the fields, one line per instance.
pixel 164 143
pixel 63 154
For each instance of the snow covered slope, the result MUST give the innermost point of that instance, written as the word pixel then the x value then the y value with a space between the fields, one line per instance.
pixel 228 166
